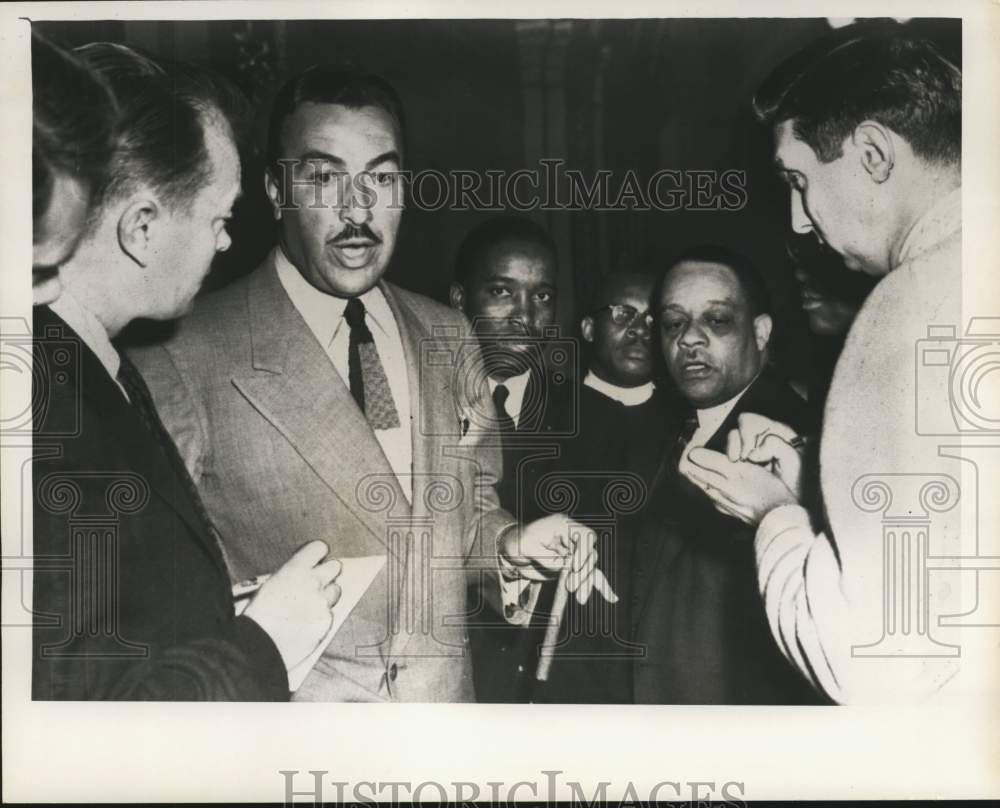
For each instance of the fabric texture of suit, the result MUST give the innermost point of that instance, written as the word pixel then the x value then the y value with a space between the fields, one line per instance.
pixel 282 455
pixel 695 602
pixel 131 596
pixel 503 665
pixel 610 465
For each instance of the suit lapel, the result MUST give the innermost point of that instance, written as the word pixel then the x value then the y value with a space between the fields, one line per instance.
pixel 293 384
pixel 685 496
pixel 429 386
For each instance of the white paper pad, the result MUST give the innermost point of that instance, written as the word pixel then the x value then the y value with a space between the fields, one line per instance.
pixel 356 575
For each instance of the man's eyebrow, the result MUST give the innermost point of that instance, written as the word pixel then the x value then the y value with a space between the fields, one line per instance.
pixel 315 155
pixel 385 157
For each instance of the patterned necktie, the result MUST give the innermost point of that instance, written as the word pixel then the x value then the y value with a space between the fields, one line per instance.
pixel 505 423
pixel 368 382
pixel 688 428
pixel 142 402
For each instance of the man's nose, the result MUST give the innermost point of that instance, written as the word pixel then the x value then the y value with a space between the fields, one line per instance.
pixel 639 329
pixel 356 207
pixel 801 223
pixel 692 335
pixel 224 241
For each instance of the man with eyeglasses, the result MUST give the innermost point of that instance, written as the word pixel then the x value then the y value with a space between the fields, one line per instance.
pixel 623 431
pixel 695 607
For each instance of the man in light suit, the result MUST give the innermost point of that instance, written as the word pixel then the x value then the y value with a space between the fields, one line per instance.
pixel 312 399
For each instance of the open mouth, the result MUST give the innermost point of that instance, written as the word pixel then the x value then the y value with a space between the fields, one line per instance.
pixel 695 369
pixel 355 253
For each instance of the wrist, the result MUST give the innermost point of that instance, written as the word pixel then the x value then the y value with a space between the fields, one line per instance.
pixel 506 545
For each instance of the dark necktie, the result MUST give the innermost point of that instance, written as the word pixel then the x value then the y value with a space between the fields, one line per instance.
pixel 367 380
pixel 142 402
pixel 688 428
pixel 504 422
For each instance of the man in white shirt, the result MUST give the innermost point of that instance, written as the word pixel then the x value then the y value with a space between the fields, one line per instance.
pixel 505 284
pixel 313 399
pixel 868 136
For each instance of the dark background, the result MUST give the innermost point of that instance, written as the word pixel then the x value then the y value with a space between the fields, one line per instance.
pixel 503 94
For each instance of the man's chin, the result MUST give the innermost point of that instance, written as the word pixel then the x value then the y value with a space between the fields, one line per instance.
pixel 347 282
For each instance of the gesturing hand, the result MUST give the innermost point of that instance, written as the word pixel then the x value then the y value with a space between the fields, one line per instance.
pixel 294 605
pixel 739 489
pixel 540 550
pixel 768 443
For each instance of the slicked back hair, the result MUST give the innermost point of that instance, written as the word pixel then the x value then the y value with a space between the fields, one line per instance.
pixel 868 72
pixel 164 110
pixel 345 86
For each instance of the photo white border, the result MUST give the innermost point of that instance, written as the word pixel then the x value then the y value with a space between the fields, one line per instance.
pixel 184 752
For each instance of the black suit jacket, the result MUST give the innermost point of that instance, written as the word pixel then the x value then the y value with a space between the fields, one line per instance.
pixel 695 602
pixel 131 595
pixel 502 664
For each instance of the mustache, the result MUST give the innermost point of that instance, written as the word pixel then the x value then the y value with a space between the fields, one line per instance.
pixel 355 232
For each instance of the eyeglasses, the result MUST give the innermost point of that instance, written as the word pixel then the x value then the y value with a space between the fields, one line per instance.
pixel 624 315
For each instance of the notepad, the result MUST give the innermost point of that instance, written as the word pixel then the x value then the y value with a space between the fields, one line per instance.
pixel 356 575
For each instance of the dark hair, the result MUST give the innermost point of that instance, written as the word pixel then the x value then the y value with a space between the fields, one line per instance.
pixel 747 274
pixel 878 72
pixel 165 108
pixel 324 85
pixel 73 118
pixel 500 230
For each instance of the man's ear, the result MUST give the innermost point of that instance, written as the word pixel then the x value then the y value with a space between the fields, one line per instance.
pixel 456 296
pixel 273 194
pixel 135 226
pixel 587 328
pixel 762 325
pixel 878 154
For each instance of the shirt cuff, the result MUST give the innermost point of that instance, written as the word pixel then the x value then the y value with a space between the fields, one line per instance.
pixel 518 595
pixel 780 528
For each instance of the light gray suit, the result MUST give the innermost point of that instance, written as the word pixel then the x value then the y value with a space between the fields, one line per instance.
pixel 282 455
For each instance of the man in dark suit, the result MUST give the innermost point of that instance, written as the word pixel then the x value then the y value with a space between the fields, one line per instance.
pixel 131 598
pixel 609 465
pixel 695 604
pixel 505 283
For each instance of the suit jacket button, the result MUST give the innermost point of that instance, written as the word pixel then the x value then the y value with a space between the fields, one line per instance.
pixel 393 671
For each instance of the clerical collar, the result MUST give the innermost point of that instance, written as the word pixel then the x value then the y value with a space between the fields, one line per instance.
pixel 629 396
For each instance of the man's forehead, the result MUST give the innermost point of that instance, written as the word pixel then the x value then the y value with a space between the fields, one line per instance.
pixel 701 283
pixel 789 151
pixel 517 258
pixel 323 126
pixel 631 290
